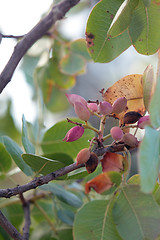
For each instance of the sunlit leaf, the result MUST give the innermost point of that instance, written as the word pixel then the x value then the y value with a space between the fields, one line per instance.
pixel 154 110
pixel 16 152
pixel 148 84
pixel 5 160
pixel 144 27
pixel 122 18
pixel 62 194
pixel 149 159
pixel 28 146
pixel 53 139
pixel 136 215
pixel 101 47
pixel 72 64
pixel 94 221
pixel 129 87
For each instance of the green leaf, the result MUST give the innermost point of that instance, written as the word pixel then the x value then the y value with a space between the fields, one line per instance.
pixel 41 164
pixel 52 82
pixel 47 207
pixel 65 234
pixel 16 152
pixel 79 46
pixel 94 221
pixel 53 139
pixel 72 64
pixel 28 146
pixel 144 27
pixel 122 18
pixel 77 174
pixel 115 177
pixel 5 160
pixel 62 194
pixel 66 216
pixel 147 2
pixel 136 214
pixel 154 110
pixel 135 179
pixel 149 159
pixel 50 77
pixel 61 157
pixel 101 47
pixel 147 82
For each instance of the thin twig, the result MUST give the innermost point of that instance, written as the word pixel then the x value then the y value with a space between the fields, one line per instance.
pixel 26 208
pixel 39 181
pixel 9 228
pixel 11 36
pixel 56 13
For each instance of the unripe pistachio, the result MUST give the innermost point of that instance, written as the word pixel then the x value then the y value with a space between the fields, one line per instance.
pixel 105 108
pixel 82 111
pixel 92 163
pixel 93 107
pixel 73 134
pixel 130 140
pixel 83 156
pixel 116 133
pixel 119 105
pixel 72 98
pixel 143 121
pixel 131 117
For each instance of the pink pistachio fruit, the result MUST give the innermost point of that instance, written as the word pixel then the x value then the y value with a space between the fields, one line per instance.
pixel 82 111
pixel 143 121
pixel 105 108
pixel 72 98
pixel 119 105
pixel 73 134
pixel 93 107
pixel 116 133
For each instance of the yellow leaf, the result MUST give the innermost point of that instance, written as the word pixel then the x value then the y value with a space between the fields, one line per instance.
pixel 131 88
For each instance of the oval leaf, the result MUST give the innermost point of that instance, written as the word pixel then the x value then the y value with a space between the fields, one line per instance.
pixel 28 146
pixel 149 159
pixel 5 160
pixel 62 194
pixel 144 27
pixel 53 139
pixel 72 64
pixel 131 88
pixel 98 224
pixel 148 85
pixel 16 152
pixel 122 18
pixel 101 47
pixel 79 46
pixel 136 214
pixel 41 164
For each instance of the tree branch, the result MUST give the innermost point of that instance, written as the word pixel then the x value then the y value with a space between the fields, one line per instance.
pixel 9 228
pixel 56 13
pixel 7 193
